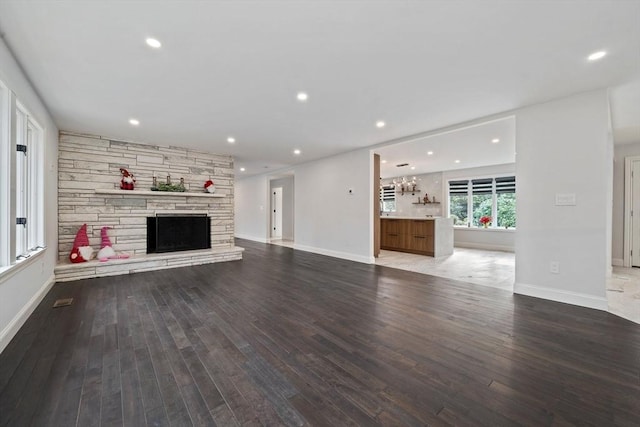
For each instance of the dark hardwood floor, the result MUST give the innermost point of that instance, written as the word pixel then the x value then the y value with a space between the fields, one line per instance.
pixel 292 338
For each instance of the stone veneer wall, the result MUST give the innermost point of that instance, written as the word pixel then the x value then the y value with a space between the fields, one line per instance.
pixel 87 163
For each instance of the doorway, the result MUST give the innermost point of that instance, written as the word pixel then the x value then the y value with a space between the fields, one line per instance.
pixel 276 213
pixel 632 212
pixel 282 210
pixel 419 173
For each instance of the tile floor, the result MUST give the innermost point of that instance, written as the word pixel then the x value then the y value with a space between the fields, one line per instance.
pixel 487 268
pixel 497 269
pixel 282 242
pixel 623 293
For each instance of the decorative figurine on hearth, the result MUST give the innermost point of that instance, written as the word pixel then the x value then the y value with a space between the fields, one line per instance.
pixel 106 251
pixel 82 250
pixel 128 180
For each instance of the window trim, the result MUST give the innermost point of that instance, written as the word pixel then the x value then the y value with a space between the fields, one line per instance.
pixel 7 206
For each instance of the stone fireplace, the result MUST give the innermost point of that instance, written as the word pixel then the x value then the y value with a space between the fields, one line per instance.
pixel 88 193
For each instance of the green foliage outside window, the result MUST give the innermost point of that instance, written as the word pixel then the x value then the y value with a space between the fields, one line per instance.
pixel 458 209
pixel 507 210
pixel 482 205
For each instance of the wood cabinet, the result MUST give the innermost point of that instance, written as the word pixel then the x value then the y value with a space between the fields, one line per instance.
pixel 417 235
pixel 420 236
pixel 393 234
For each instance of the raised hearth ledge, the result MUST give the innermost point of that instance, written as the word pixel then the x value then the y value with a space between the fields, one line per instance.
pixel 94 268
pixel 156 193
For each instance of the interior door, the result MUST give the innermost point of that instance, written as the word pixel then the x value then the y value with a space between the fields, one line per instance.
pixel 276 213
pixel 635 210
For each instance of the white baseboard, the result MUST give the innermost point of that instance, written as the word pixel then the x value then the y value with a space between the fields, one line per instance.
pixel 335 254
pixel 618 262
pixel 484 246
pixel 568 297
pixel 254 238
pixel 16 323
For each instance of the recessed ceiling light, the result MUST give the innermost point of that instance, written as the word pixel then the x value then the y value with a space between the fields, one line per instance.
pixel 134 122
pixel 429 153
pixel 413 168
pixel 380 124
pixel 457 161
pixel 597 55
pixel 231 140
pixel 495 140
pixel 383 161
pixel 154 43
pixel 302 96
pixel 297 152
pixel 242 169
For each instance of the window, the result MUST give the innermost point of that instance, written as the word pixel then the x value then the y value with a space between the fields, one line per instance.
pixel 28 186
pixel 506 201
pixel 388 198
pixel 21 182
pixel 459 202
pixel 482 199
pixel 470 200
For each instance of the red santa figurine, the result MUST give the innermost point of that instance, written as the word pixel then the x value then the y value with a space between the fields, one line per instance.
pixel 127 181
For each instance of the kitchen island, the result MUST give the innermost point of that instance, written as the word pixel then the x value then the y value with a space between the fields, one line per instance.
pixel 432 236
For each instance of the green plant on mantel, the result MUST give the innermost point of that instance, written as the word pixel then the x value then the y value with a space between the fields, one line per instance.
pixel 169 187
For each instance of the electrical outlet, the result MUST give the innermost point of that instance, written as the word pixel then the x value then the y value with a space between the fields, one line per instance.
pixel 554 267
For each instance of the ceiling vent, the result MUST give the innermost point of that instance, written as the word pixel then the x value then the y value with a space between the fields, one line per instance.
pixel 402 165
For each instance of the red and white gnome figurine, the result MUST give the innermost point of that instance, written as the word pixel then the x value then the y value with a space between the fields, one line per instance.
pixel 209 187
pixel 127 181
pixel 106 251
pixel 81 251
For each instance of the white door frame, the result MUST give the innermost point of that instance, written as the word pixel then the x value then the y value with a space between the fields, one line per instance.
pixel 628 205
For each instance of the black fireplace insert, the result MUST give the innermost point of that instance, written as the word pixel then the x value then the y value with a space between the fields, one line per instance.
pixel 172 233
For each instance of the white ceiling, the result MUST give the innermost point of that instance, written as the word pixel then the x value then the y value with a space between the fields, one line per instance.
pixel 234 68
pixel 468 147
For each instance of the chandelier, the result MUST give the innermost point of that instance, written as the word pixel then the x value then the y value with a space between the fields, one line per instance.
pixel 403 184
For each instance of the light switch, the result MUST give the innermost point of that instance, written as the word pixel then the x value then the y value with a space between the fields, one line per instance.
pixel 565 199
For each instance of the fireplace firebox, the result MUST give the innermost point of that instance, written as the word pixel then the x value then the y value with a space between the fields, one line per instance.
pixel 172 233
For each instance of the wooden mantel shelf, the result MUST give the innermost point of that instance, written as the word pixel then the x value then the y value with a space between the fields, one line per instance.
pixel 118 192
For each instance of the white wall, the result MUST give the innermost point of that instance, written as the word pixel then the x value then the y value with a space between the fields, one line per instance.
pixel 328 220
pixel 251 207
pixel 23 288
pixel 487 239
pixel 563 147
pixel 620 152
pixel 288 209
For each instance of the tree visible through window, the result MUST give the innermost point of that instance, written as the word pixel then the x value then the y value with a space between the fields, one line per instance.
pixel 459 202
pixel 469 200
